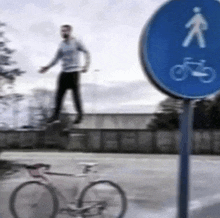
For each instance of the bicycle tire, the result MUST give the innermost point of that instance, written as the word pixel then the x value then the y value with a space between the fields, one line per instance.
pixel 177 73
pixel 15 199
pixel 94 188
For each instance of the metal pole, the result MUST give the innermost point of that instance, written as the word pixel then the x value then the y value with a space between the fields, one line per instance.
pixel 185 150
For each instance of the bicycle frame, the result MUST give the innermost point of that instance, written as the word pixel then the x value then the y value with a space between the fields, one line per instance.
pixel 58 192
pixel 70 210
pixel 186 65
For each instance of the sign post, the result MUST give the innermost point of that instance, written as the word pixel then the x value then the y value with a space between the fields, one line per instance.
pixel 185 150
pixel 179 52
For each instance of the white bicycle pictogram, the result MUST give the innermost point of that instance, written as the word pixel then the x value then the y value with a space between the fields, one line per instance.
pixel 181 72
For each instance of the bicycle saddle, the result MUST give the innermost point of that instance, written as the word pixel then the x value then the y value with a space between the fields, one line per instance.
pixel 37 166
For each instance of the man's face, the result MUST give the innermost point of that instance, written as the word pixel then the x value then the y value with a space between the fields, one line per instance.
pixel 65 32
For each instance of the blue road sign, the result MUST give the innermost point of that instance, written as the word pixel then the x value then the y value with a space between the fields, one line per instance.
pixel 180 48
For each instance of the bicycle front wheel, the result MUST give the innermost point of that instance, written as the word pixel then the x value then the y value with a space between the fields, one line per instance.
pixel 33 199
pixel 105 200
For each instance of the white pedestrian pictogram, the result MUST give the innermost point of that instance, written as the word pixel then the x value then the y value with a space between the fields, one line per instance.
pixel 197 27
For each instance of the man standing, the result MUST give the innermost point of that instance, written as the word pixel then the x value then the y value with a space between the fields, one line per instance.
pixel 69 52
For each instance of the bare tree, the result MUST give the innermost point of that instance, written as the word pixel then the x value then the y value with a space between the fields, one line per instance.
pixel 8 72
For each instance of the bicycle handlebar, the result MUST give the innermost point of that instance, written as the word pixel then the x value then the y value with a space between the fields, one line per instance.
pixel 34 170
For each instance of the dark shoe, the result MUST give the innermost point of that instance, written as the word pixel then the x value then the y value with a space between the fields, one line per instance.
pixel 78 119
pixel 53 119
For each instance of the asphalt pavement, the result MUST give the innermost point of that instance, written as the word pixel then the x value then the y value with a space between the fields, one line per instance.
pixel 149 181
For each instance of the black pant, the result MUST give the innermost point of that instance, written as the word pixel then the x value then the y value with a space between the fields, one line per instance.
pixel 68 81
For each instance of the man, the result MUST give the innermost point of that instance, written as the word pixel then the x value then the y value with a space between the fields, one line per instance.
pixel 69 52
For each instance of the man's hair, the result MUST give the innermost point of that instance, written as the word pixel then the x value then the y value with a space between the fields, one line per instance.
pixel 67 26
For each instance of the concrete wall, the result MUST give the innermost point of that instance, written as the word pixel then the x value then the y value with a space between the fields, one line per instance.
pixel 113 121
pixel 111 140
pixel 22 139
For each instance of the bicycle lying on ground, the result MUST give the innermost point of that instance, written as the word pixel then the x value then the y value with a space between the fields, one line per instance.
pixel 38 198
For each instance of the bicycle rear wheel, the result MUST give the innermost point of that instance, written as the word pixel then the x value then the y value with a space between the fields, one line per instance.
pixel 33 199
pixel 210 75
pixel 106 199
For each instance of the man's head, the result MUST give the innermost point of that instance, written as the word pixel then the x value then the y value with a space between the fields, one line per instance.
pixel 66 31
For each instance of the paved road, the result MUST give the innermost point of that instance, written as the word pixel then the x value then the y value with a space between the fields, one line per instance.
pixel 150 181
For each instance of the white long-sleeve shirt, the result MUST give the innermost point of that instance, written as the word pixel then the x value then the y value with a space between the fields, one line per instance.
pixel 69 53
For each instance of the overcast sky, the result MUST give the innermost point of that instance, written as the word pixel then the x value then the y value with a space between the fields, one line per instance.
pixel 110 29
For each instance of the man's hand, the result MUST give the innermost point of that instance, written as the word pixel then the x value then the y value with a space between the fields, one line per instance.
pixel 84 69
pixel 87 62
pixel 43 69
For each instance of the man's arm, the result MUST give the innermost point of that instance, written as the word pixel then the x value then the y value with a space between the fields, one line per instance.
pixel 87 58
pixel 53 62
pixel 82 48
